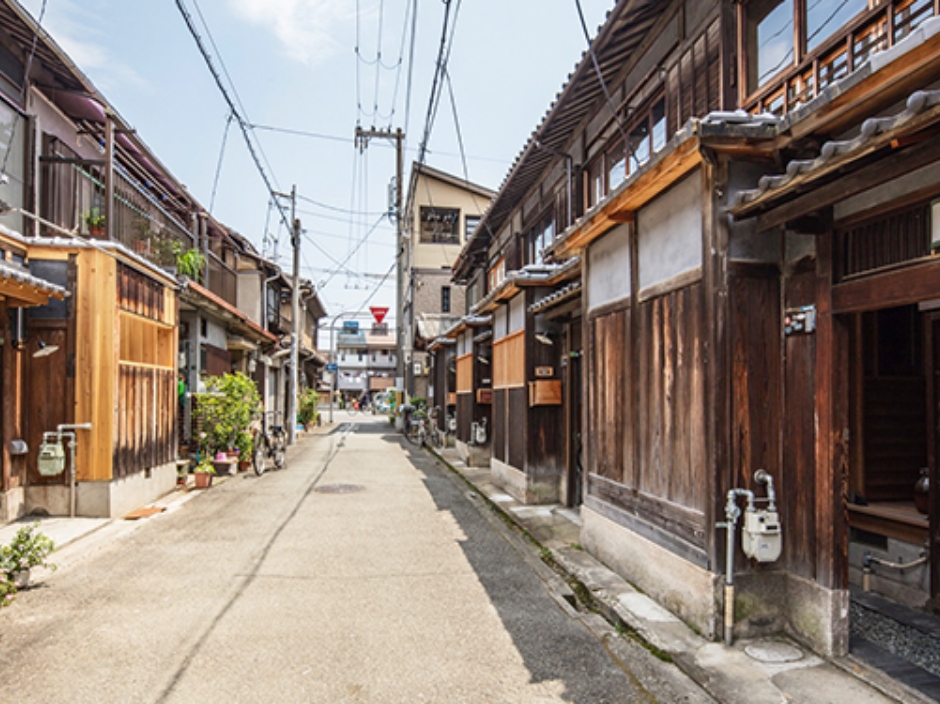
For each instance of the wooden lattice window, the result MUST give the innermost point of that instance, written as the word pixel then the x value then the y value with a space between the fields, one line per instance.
pixel 885 242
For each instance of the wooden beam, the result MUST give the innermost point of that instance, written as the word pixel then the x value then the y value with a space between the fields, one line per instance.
pixel 902 286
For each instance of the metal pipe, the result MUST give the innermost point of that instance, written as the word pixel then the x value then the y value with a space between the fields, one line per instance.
pixel 762 477
pixel 732 513
pixel 62 431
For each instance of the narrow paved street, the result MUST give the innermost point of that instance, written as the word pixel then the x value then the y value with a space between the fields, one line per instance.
pixel 364 572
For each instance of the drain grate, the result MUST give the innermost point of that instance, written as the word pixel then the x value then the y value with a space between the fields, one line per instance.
pixel 339 489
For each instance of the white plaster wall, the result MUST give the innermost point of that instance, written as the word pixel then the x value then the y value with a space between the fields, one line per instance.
pixel 608 268
pixel 464 343
pixel 517 313
pixel 215 334
pixel 670 233
pixel 500 322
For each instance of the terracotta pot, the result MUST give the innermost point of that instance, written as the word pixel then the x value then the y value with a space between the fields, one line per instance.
pixel 203 480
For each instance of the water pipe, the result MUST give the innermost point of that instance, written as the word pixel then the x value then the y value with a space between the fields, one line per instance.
pixel 732 514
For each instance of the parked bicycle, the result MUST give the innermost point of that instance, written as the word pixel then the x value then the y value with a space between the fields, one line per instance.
pixel 423 429
pixel 270 443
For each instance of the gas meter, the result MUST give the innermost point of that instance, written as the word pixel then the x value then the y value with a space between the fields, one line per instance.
pixel 761 538
pixel 51 459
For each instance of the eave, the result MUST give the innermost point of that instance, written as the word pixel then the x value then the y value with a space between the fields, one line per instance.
pixel 885 148
pixel 638 190
pixel 203 299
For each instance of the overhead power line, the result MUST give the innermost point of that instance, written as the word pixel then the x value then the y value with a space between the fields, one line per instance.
pixel 239 117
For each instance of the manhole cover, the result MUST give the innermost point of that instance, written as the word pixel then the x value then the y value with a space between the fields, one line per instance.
pixel 772 652
pixel 339 488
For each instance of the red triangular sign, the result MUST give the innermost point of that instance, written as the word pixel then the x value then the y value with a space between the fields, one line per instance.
pixel 378 313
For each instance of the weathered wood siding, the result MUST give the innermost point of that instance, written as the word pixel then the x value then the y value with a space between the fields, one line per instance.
pixel 647 411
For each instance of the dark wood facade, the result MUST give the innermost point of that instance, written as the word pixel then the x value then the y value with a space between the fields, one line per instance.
pixel 737 315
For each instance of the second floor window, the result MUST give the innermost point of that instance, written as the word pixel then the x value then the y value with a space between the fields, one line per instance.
pixel 445 299
pixel 772 45
pixel 440 225
pixel 538 238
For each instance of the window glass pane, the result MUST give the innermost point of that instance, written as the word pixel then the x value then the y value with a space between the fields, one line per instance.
pixel 825 17
pixel 595 182
pixel 659 125
pixel 639 145
pixel 439 225
pixel 617 166
pixel 769 39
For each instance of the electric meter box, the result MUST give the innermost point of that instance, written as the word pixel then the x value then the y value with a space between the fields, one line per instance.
pixel 761 538
pixel 51 459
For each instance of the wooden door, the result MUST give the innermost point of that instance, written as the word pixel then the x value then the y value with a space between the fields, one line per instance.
pixel 48 392
pixel 932 360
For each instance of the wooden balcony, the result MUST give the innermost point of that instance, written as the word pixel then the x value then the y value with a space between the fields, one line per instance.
pixel 877 29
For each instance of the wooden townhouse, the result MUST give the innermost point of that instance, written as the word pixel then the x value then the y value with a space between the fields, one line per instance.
pixel 100 218
pixel 741 197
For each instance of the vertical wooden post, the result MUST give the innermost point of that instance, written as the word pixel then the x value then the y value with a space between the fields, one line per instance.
pixel 832 428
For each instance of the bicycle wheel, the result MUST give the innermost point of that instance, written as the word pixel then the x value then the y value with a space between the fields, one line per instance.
pixel 279 450
pixel 259 457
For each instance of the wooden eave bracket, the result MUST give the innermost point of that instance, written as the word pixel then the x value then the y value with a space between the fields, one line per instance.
pixel 621 208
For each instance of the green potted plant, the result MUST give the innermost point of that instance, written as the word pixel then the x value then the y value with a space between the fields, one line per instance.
pixel 95 222
pixel 225 411
pixel 308 413
pixel 29 548
pixel 190 263
pixel 203 473
pixel 245 444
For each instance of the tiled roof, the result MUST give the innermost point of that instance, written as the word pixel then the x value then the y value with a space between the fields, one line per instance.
pixel 836 150
pixel 15 273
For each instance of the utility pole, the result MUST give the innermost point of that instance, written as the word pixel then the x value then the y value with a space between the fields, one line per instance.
pixel 362 141
pixel 296 324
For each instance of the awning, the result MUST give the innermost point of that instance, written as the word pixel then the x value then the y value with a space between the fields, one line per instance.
pixel 20 289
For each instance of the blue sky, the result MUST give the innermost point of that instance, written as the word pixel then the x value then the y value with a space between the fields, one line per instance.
pixel 294 65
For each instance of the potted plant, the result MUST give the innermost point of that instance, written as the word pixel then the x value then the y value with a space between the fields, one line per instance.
pixel 308 413
pixel 29 548
pixel 203 473
pixel 245 444
pixel 190 263
pixel 225 411
pixel 94 220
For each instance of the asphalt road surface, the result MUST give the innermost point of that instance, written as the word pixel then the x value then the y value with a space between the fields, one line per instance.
pixel 364 572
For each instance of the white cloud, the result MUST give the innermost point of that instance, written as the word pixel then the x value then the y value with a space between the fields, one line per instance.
pixel 306 28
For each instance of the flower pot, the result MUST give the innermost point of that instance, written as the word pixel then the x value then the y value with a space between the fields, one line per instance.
pixel 21 579
pixel 203 480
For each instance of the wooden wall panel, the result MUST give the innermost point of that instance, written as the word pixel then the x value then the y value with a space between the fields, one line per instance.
pixel 146 432
pixel 498 431
pixel 609 415
pixel 516 426
pixel 464 416
pixel 796 486
pixel 465 373
pixel 755 378
pixel 509 361
pixel 671 413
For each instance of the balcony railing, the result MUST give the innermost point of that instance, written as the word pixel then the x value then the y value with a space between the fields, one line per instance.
pixel 879 28
pixel 71 191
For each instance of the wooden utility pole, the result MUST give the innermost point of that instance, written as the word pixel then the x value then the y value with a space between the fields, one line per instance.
pixel 362 140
